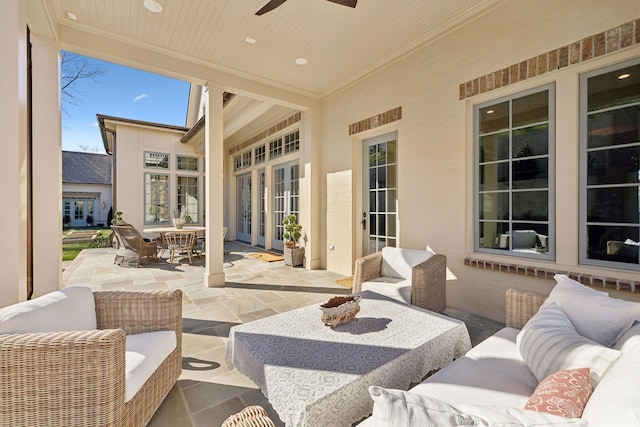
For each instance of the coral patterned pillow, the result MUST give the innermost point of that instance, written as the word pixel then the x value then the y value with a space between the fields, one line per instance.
pixel 563 393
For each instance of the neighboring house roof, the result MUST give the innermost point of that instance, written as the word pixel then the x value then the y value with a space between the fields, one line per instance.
pixel 86 168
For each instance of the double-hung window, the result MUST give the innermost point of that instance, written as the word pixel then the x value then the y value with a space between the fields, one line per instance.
pixel 609 166
pixel 514 175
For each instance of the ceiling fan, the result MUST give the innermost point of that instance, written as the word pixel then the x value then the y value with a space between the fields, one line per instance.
pixel 275 3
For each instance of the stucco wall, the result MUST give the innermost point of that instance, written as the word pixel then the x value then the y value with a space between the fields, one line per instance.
pixel 435 135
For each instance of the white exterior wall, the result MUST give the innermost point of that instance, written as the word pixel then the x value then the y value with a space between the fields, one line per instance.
pixel 131 143
pixel 100 214
pixel 435 138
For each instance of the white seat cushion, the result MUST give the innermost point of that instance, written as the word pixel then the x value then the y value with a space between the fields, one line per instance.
pixel 492 373
pixel 398 289
pixel 398 262
pixel 144 354
pixel 69 309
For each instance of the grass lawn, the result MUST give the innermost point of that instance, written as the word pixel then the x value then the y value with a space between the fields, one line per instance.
pixel 71 250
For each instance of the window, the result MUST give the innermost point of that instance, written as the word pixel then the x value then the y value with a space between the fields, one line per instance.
pixel 242 161
pixel 292 142
pixel 156 160
pixel 156 198
pixel 187 192
pixel 260 154
pixel 514 197
pixel 609 166
pixel 275 148
pixel 187 163
pixel 237 162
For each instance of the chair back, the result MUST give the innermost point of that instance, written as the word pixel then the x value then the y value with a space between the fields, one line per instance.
pixel 180 239
pixel 128 237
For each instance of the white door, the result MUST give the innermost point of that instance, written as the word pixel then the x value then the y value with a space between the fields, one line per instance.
pixel 380 216
pixel 285 199
pixel 262 188
pixel 243 207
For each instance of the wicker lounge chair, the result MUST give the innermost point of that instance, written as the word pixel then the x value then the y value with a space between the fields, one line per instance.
pixel 251 416
pixel 131 246
pixel 421 284
pixel 77 377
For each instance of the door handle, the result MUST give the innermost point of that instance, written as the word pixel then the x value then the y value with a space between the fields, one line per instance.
pixel 364 221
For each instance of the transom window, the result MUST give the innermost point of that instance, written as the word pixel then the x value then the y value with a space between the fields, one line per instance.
pixel 514 140
pixel 156 160
pixel 260 154
pixel 275 148
pixel 609 166
pixel 186 163
pixel 242 161
pixel 292 142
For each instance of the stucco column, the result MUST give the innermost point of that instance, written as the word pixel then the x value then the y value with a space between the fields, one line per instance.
pixel 13 122
pixel 214 198
pixel 47 167
pixel 310 188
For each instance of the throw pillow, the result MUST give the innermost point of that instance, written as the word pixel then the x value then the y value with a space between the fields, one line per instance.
pixel 629 337
pixel 400 408
pixel 564 393
pixel 549 343
pixel 594 314
pixel 399 262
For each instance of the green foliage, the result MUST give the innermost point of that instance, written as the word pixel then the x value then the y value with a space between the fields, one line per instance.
pixel 292 230
pixel 118 219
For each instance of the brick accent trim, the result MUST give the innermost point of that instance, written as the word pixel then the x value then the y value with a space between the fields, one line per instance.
pixel 596 45
pixel 375 121
pixel 548 273
pixel 295 118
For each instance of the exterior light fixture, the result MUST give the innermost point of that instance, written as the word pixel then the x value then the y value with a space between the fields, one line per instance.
pixel 489 111
pixel 72 16
pixel 152 6
pixel 250 40
pixel 624 76
pixel 301 61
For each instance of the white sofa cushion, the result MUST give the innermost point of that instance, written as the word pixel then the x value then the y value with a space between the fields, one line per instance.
pixel 616 400
pixel 492 373
pixel 549 343
pixel 69 309
pixel 629 338
pixel 398 262
pixel 398 289
pixel 144 354
pixel 400 408
pixel 593 313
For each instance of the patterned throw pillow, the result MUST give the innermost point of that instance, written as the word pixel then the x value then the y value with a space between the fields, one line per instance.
pixel 564 393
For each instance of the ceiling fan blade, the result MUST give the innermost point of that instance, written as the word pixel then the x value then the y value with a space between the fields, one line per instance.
pixel 270 6
pixel 350 3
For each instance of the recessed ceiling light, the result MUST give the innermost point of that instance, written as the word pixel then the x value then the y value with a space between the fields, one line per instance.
pixel 489 111
pixel 152 6
pixel 301 61
pixel 250 40
pixel 624 76
pixel 72 16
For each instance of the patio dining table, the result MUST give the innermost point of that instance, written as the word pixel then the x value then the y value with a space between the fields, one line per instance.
pixel 164 230
pixel 314 375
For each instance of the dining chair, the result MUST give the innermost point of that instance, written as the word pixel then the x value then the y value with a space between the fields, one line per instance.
pixel 180 241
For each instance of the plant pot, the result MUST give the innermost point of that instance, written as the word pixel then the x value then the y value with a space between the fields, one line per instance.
pixel 293 256
pixel 178 222
pixel 289 244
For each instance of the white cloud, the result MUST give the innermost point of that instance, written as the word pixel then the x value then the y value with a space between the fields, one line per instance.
pixel 94 124
pixel 139 97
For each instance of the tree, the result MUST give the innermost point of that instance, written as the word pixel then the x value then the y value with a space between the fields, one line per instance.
pixel 75 69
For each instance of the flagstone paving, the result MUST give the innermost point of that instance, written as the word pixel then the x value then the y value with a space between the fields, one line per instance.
pixel 207 391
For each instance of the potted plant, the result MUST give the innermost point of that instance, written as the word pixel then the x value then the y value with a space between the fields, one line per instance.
pixel 179 217
pixel 293 253
pixel 118 219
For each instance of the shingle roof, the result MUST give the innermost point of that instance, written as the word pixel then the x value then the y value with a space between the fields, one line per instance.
pixel 86 168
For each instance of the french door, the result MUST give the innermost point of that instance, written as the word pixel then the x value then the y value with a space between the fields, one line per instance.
pixel 380 216
pixel 285 199
pixel 262 214
pixel 243 207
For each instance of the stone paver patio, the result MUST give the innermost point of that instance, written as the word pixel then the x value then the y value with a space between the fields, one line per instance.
pixel 208 392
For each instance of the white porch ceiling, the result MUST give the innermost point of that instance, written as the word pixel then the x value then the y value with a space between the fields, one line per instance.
pixel 341 44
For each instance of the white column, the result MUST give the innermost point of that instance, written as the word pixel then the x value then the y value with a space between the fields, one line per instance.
pixel 13 122
pixel 47 167
pixel 310 207
pixel 214 160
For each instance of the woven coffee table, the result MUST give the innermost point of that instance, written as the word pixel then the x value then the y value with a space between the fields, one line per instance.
pixel 317 376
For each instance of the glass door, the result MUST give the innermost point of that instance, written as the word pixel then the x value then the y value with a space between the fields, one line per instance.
pixel 262 186
pixel 243 207
pixel 285 199
pixel 380 216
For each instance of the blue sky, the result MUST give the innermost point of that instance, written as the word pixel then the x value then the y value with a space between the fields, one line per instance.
pixel 122 92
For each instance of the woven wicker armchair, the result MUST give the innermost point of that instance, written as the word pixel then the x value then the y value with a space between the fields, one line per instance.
pixel 131 245
pixel 428 280
pixel 77 378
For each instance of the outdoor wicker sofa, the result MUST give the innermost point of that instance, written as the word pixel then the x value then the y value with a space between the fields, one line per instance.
pixel 58 370
pixel 414 276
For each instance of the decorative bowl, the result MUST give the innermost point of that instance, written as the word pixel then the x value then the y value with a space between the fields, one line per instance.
pixel 340 310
